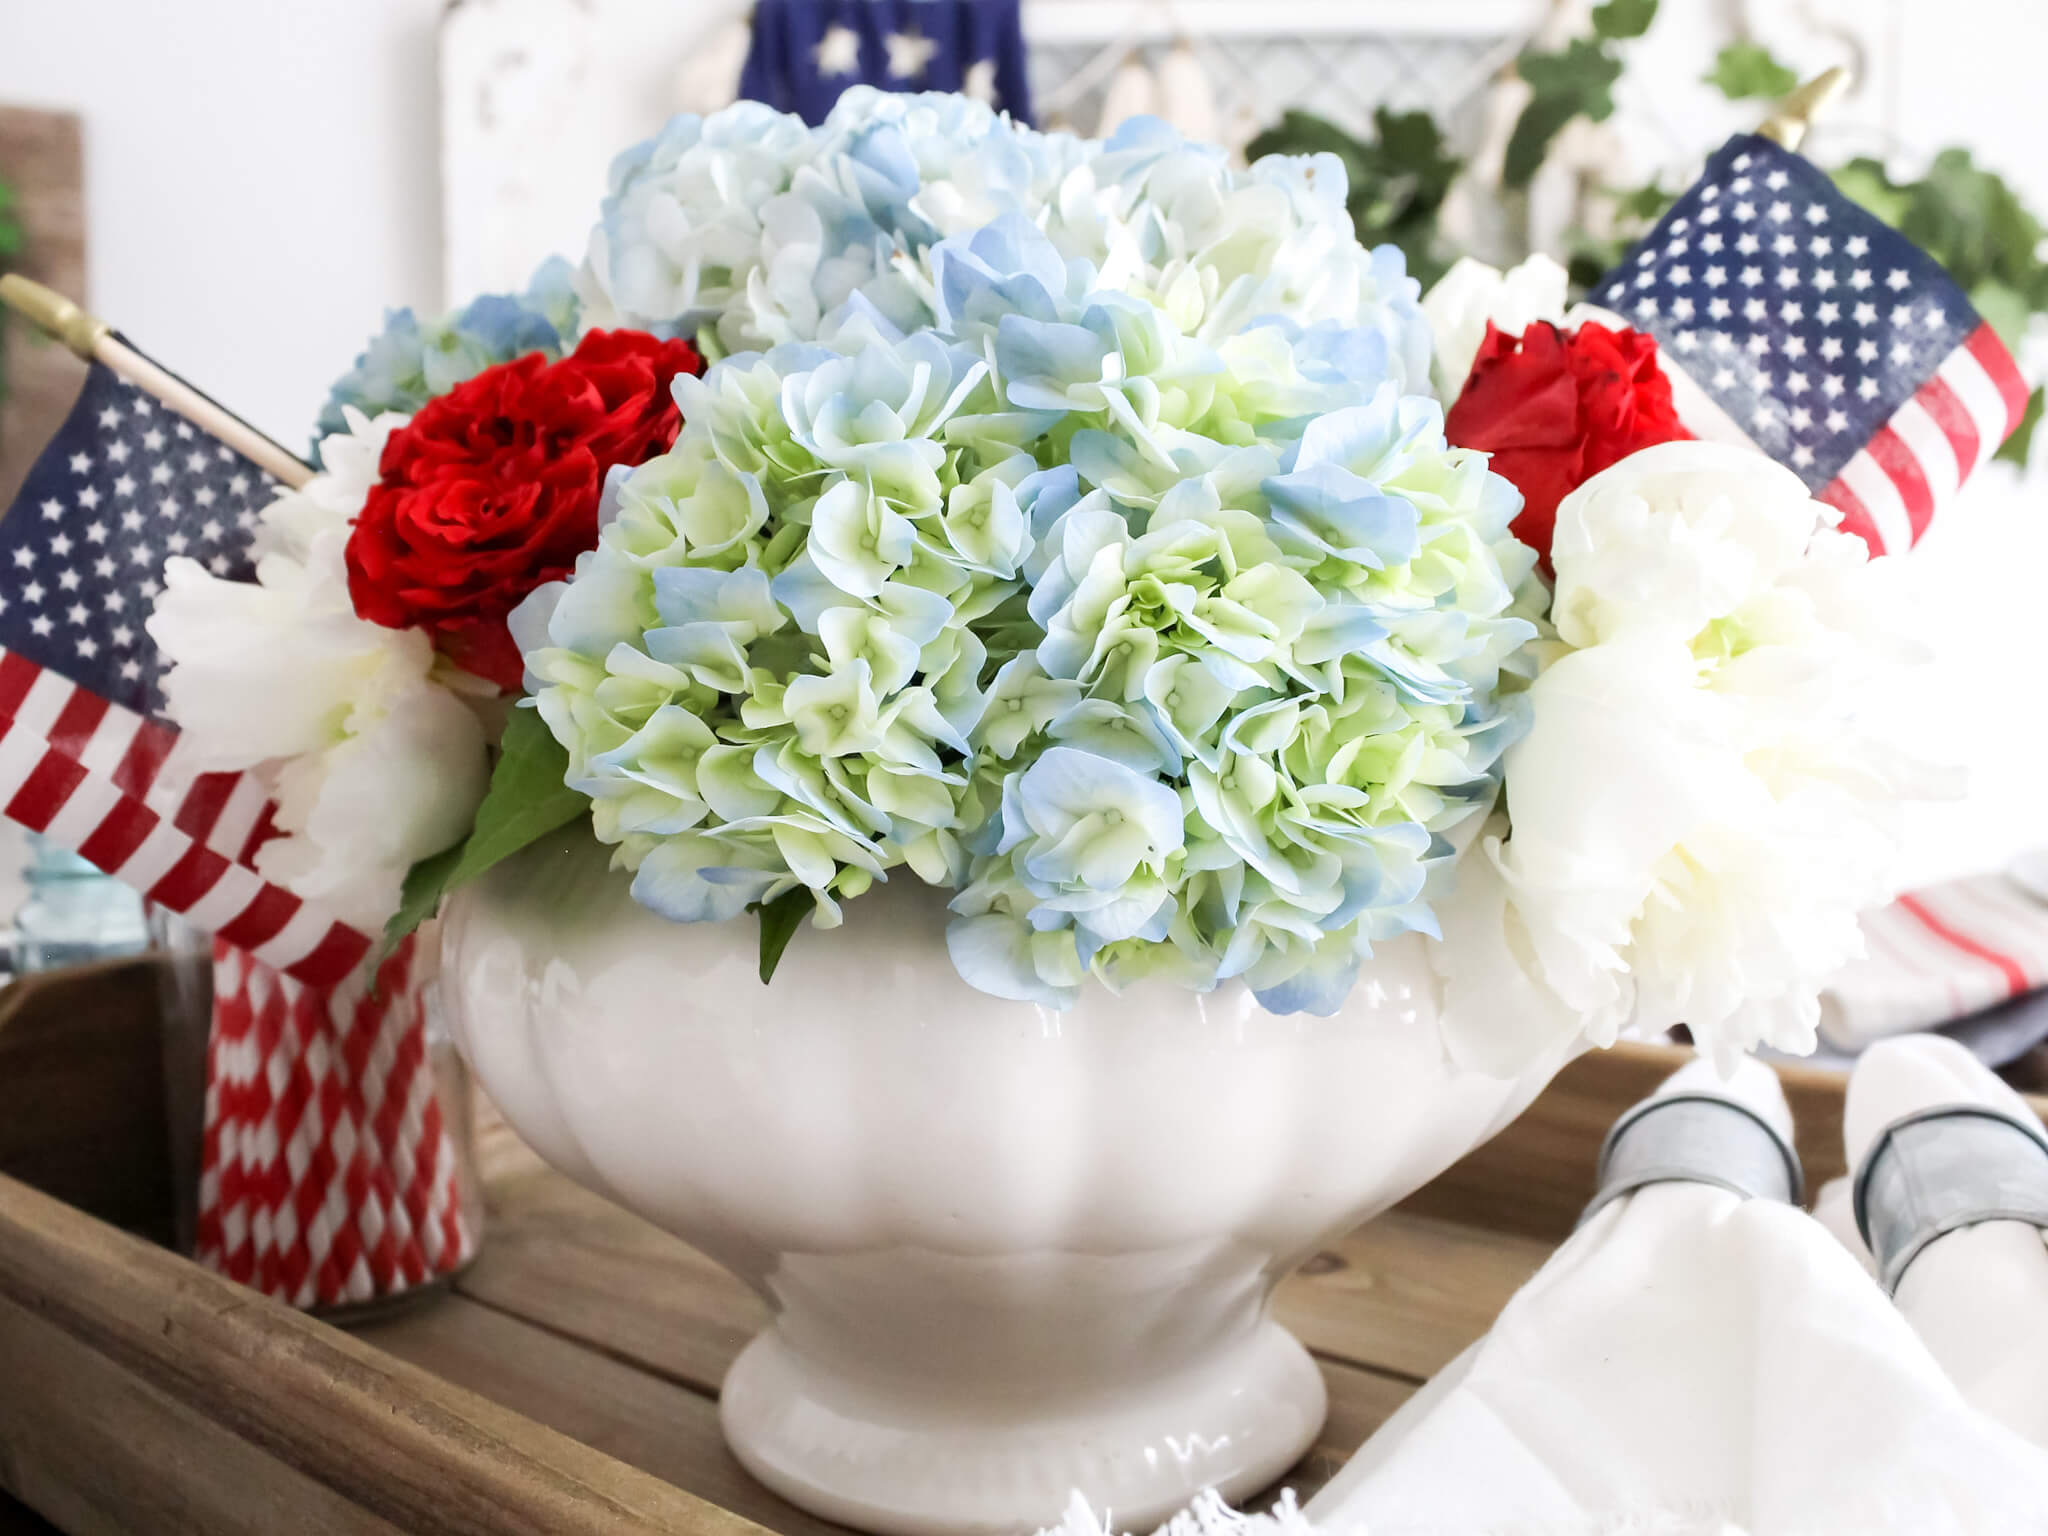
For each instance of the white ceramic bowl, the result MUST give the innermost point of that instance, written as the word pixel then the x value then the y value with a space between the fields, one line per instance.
pixel 1011 1252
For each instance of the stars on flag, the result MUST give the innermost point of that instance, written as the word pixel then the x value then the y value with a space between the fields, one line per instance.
pixel 838 51
pixel 1765 327
pixel 94 553
pixel 909 53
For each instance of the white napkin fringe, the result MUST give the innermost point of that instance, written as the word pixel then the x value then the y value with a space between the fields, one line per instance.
pixel 1209 1515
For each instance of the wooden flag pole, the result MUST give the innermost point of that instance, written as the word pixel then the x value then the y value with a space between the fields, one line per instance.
pixel 94 340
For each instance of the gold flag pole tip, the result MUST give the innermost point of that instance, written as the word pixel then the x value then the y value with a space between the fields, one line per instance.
pixel 50 311
pixel 1792 117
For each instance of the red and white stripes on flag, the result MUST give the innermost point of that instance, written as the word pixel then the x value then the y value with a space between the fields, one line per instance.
pixel 101 779
pixel 1937 955
pixel 1914 463
pixel 328 1176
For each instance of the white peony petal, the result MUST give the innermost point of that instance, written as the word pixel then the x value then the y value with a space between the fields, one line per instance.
pixel 1470 295
pixel 1709 790
pixel 361 813
pixel 374 759
pixel 267 670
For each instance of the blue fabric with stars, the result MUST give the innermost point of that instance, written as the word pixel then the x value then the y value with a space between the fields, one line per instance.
pixel 125 484
pixel 805 52
pixel 1806 318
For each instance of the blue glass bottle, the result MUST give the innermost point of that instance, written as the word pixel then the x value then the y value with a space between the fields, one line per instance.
pixel 74 913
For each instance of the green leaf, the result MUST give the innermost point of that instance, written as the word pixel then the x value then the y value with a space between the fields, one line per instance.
pixel 1863 180
pixel 1620 19
pixel 1541 121
pixel 526 801
pixel 2005 307
pixel 425 883
pixel 1584 74
pixel 1576 82
pixel 1646 204
pixel 1747 70
pixel 2015 449
pixel 779 920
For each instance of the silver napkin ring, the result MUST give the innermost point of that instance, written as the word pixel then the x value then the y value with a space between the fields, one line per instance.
pixel 1696 1138
pixel 1952 1166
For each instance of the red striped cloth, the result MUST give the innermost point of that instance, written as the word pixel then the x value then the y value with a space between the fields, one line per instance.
pixel 328 1173
pixel 1889 491
pixel 99 778
pixel 1938 955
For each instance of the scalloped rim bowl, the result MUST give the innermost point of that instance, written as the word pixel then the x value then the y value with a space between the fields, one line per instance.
pixel 1010 1252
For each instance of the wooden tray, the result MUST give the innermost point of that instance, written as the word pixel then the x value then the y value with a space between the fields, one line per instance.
pixel 569 1383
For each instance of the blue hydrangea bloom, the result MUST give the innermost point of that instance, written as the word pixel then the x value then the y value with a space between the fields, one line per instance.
pixel 409 362
pixel 1065 525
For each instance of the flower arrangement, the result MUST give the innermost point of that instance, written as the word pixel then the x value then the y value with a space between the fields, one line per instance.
pixel 1072 526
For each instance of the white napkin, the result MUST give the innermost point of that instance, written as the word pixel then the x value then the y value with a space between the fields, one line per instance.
pixel 1978 1297
pixel 1692 1362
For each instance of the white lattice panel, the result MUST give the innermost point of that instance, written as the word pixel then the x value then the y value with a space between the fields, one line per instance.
pixel 1256 77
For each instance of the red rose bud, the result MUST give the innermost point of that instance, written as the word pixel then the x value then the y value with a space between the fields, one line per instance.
pixel 1556 407
pixel 493 489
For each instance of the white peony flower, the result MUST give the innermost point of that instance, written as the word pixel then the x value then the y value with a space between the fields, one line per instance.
pixel 1707 795
pixel 1472 293
pixel 374 762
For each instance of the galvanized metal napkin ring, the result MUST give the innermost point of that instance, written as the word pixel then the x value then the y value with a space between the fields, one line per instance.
pixel 1697 1138
pixel 1932 1172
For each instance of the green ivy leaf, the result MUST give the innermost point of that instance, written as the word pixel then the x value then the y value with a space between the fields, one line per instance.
pixel 1584 74
pixel 10 226
pixel 2005 307
pixel 1541 121
pixel 1646 204
pixel 1621 19
pixel 1577 82
pixel 526 801
pixel 1970 221
pixel 1744 71
pixel 779 920
pixel 2015 449
pixel 1863 180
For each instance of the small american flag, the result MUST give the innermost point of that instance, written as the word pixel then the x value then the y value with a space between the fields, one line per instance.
pixel 125 484
pixel 1791 319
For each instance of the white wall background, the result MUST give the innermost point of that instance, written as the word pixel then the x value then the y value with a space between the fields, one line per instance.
pixel 261 177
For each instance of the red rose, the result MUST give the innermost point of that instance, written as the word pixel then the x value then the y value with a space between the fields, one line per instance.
pixel 493 489
pixel 1555 407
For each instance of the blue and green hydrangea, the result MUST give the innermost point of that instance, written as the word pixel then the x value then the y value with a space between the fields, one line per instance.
pixel 1084 554
pixel 411 361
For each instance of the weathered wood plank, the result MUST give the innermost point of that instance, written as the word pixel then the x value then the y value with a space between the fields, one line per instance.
pixel 106 1454
pixel 1406 1293
pixel 613 1406
pixel 575 1264
pixel 412 1449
